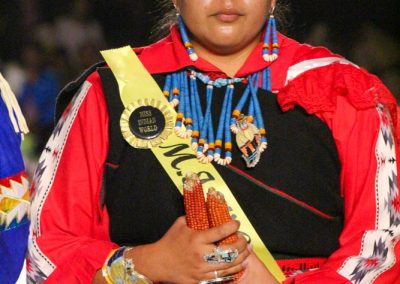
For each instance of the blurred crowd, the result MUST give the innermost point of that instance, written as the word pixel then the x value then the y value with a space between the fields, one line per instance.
pixel 45 44
pixel 42 54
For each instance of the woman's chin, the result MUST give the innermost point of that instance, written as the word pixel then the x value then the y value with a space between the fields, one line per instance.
pixel 226 47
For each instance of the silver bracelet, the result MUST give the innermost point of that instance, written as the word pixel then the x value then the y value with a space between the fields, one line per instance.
pixel 131 275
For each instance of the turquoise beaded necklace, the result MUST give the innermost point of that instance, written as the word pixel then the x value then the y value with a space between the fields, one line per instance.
pixel 181 89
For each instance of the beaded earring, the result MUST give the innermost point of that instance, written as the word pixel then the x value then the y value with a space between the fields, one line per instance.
pixel 271 45
pixel 189 47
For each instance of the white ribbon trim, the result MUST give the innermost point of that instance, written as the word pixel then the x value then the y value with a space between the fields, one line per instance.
pixel 306 65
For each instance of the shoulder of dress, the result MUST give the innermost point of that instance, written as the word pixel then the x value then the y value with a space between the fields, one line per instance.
pixel 315 85
pixel 66 94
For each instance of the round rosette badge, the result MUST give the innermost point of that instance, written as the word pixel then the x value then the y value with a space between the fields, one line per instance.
pixel 146 123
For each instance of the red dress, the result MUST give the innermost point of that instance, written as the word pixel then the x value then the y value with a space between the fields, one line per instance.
pixel 69 237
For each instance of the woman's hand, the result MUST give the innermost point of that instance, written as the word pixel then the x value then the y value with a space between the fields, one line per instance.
pixel 256 272
pixel 178 256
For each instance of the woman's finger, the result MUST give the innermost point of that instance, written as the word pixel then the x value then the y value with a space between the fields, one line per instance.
pixel 241 245
pixel 223 273
pixel 224 266
pixel 218 233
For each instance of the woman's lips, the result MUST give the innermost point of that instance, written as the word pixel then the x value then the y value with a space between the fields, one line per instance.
pixel 227 17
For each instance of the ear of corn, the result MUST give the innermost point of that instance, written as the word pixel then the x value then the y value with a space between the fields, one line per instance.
pixel 194 202
pixel 201 215
pixel 218 214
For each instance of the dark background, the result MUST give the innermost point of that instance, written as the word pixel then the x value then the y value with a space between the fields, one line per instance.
pixel 130 21
pixel 50 42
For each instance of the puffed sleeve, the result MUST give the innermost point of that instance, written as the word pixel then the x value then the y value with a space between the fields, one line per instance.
pixel 361 114
pixel 69 238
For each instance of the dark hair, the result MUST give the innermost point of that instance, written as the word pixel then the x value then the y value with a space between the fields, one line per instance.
pixel 167 17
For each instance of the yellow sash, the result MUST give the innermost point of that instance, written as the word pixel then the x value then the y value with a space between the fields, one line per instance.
pixel 175 154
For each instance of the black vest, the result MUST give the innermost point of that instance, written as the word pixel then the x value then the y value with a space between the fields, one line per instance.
pixel 301 161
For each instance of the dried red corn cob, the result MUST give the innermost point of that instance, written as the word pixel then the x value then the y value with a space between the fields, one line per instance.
pixel 218 214
pixel 195 204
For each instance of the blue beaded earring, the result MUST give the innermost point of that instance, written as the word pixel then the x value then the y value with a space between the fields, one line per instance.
pixel 271 45
pixel 189 47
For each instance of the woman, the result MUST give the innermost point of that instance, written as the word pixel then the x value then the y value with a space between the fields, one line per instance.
pixel 323 196
pixel 14 187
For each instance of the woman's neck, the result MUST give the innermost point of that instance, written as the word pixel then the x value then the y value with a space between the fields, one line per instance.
pixel 227 63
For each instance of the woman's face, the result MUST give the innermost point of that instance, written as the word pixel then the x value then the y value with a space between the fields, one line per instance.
pixel 224 26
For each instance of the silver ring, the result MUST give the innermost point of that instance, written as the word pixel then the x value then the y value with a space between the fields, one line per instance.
pixel 221 256
pixel 217 280
pixel 246 236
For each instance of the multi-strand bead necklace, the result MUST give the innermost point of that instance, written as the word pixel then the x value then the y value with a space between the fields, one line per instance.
pixel 181 89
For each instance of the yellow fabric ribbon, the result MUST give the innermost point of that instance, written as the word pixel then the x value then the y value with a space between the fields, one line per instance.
pixel 175 154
